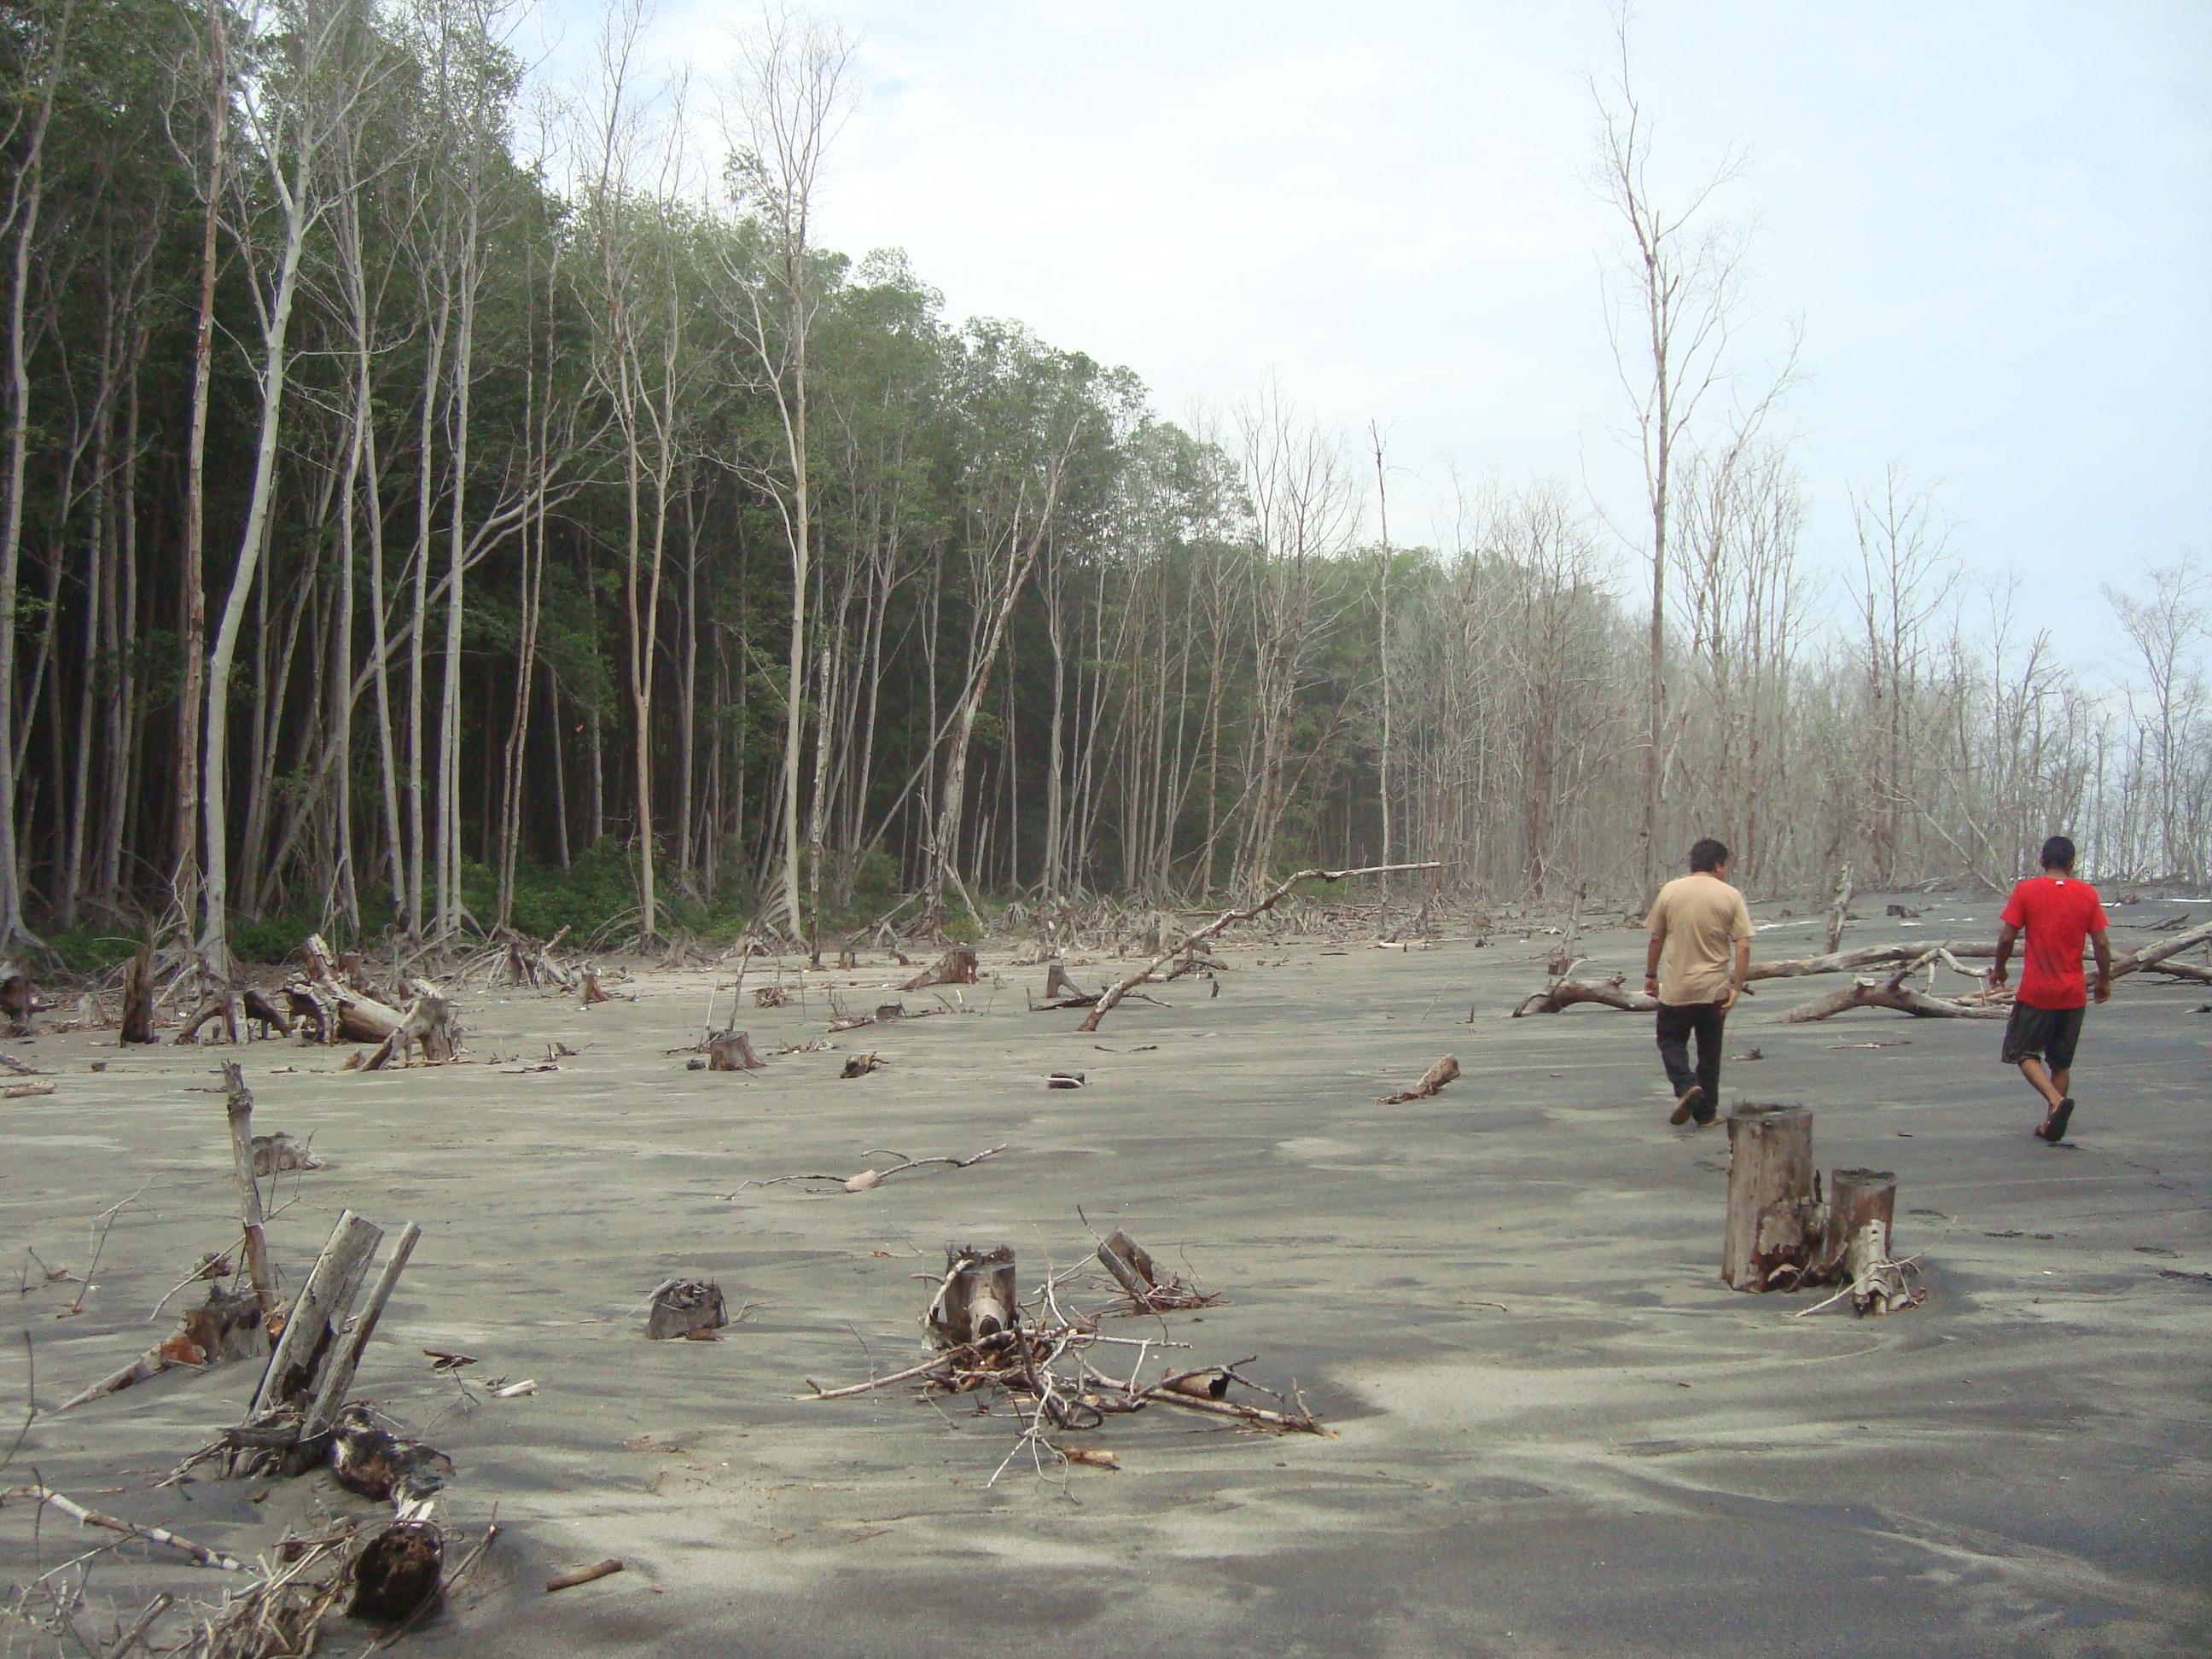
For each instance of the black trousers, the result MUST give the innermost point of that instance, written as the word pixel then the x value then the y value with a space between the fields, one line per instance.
pixel 1675 1026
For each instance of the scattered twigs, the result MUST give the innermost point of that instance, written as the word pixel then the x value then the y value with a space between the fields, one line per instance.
pixel 91 1518
pixel 1432 1080
pixel 1115 992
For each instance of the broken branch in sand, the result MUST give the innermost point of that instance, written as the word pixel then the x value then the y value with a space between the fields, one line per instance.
pixel 1147 1288
pixel 596 1571
pixel 47 1496
pixel 1121 989
pixel 1892 993
pixel 868 1180
pixel 1432 1081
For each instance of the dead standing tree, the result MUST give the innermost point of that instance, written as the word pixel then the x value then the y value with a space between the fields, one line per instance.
pixel 1111 997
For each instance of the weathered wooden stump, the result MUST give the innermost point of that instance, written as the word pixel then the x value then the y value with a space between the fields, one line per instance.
pixel 978 1298
pixel 733 1051
pixel 686 1308
pixel 138 996
pixel 1773 1197
pixel 1861 1204
pixel 958 966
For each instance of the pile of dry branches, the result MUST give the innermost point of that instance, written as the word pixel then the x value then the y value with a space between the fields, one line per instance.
pixel 1043 1362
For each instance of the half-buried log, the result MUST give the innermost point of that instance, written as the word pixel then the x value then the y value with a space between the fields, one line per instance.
pixel 1773 1196
pixel 1444 1071
pixel 397 1572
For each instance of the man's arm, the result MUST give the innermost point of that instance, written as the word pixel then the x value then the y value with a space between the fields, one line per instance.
pixel 2008 936
pixel 2103 947
pixel 1657 943
pixel 1742 974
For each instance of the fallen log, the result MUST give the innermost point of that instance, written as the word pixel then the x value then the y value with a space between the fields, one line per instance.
pixel 428 1025
pixel 1563 994
pixel 1114 994
pixel 330 1001
pixel 1892 994
pixel 2161 956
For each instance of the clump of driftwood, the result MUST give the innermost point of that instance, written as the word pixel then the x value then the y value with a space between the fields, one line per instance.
pixel 770 996
pixel 1565 990
pixel 1042 1361
pixel 1781 1234
pixel 388 1575
pixel 1432 1081
pixel 1146 1287
pixel 529 963
pixel 861 1065
pixel 886 1013
pixel 687 1309
pixel 275 1154
pixel 869 1179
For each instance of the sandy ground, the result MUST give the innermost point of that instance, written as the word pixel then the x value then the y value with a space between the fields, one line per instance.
pixel 1556 1430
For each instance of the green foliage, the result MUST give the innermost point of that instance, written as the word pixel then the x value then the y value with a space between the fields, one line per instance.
pixel 90 950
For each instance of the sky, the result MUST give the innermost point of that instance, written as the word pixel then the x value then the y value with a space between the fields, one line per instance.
pixel 1992 221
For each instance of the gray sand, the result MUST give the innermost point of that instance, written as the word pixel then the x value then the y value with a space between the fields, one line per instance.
pixel 1558 1431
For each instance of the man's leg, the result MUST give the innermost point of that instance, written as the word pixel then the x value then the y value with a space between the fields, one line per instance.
pixel 1712 1020
pixel 2040 1078
pixel 1674 1025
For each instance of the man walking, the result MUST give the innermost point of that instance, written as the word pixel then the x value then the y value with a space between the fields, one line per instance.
pixel 2056 913
pixel 1702 927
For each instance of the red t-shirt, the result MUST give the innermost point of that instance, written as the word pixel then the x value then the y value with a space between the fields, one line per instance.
pixel 2056 914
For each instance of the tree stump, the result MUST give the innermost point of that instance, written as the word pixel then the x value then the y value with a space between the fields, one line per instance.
pixel 398 1573
pixel 138 996
pixel 1773 1198
pixel 1861 1204
pixel 18 1001
pixel 958 966
pixel 978 1298
pixel 686 1308
pixel 733 1051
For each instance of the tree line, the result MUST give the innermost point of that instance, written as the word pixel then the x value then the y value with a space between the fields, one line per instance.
pixel 426 496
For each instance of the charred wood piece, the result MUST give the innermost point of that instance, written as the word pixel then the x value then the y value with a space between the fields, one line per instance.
pixel 687 1309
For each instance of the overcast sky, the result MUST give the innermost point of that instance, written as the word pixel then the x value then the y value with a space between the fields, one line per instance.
pixel 1995 222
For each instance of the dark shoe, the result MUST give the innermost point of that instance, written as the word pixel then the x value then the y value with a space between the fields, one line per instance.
pixel 1686 1104
pixel 2053 1128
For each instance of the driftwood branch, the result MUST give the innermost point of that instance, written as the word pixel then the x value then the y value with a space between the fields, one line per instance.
pixel 1129 982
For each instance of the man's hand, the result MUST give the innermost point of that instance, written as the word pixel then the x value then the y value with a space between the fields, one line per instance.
pixel 1651 985
pixel 1997 975
pixel 2104 991
pixel 1728 1002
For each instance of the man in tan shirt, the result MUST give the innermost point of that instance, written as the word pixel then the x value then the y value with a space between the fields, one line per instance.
pixel 1702 927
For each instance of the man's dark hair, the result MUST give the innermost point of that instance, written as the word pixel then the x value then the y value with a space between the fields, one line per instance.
pixel 1708 855
pixel 2058 854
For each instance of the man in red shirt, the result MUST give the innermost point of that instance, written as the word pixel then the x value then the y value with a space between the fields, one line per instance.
pixel 2056 913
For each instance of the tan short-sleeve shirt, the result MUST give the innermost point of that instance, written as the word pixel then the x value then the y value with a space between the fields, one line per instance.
pixel 1702 918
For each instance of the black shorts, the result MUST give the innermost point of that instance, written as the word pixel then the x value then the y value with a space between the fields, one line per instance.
pixel 2050 1033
